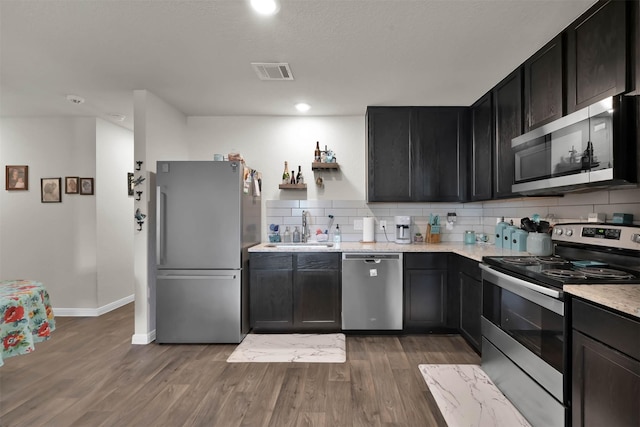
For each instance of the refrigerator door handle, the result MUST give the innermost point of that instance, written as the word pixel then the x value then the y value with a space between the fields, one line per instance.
pixel 161 205
pixel 181 277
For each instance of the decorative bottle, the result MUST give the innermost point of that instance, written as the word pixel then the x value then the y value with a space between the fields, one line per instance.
pixel 293 177
pixel 299 177
pixel 317 155
pixel 285 174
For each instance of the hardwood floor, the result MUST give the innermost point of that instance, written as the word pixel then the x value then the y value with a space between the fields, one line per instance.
pixel 89 374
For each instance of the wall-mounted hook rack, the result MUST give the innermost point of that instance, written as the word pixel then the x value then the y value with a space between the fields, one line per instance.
pixel 139 163
pixel 139 193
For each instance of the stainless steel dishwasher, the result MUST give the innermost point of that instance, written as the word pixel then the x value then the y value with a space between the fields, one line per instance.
pixel 371 291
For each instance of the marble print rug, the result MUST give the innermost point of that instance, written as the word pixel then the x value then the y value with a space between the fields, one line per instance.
pixel 467 397
pixel 310 348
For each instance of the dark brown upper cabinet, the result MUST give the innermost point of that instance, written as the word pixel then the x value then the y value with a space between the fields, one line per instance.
pixel 543 95
pixel 507 107
pixel 440 147
pixel 480 176
pixel 597 54
pixel 389 146
pixel 416 154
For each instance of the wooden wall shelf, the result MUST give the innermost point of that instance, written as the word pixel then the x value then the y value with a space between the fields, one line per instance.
pixel 292 186
pixel 322 166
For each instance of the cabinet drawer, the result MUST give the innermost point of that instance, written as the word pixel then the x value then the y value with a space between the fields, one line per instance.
pixel 318 261
pixel 608 327
pixel 271 261
pixel 425 261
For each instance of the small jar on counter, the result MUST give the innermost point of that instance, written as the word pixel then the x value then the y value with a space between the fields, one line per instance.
pixel 469 237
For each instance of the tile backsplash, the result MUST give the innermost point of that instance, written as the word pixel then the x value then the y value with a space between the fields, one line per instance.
pixel 479 216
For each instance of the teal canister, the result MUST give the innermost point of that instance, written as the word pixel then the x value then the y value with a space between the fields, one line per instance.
pixel 519 240
pixel 500 226
pixel 507 236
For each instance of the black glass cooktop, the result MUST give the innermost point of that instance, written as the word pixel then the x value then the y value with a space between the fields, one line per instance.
pixel 557 271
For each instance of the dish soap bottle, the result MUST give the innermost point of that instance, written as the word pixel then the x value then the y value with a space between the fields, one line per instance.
pixel 337 236
pixel 296 235
pixel 286 237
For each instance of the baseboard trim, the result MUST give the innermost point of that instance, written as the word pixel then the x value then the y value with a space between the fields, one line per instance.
pixel 93 312
pixel 144 339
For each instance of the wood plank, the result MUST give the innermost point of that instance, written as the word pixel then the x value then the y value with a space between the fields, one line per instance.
pixel 89 374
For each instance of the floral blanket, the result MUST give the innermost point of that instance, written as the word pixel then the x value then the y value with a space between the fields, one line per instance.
pixel 26 317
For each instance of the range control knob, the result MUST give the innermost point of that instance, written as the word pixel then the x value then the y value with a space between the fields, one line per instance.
pixel 558 231
pixel 635 238
pixel 569 232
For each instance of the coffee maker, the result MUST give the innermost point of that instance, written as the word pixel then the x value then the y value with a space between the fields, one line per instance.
pixel 403 229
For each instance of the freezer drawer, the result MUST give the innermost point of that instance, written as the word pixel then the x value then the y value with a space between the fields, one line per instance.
pixel 372 291
pixel 198 306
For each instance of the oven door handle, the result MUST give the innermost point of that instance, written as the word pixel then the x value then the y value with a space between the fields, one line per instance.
pixel 515 285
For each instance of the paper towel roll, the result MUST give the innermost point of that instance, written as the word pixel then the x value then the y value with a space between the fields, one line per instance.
pixel 368 229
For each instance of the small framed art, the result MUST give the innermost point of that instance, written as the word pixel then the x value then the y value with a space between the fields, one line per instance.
pixel 71 185
pixel 17 177
pixel 50 191
pixel 86 186
pixel 130 183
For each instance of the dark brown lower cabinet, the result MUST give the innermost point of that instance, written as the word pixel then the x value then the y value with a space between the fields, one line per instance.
pixel 425 292
pixel 470 309
pixel 295 292
pixel 605 368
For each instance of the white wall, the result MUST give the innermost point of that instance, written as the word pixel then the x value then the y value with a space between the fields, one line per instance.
pixel 54 243
pixel 159 134
pixel 114 213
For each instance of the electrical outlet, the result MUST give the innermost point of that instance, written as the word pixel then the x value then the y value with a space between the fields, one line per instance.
pixel 383 224
pixel 357 224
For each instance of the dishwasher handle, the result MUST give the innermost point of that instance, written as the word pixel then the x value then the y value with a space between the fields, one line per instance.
pixel 370 257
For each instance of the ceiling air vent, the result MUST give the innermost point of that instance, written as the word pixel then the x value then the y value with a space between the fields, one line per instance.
pixel 272 71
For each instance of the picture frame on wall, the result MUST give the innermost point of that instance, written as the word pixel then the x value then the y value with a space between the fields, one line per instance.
pixel 50 190
pixel 17 177
pixel 130 183
pixel 86 186
pixel 71 185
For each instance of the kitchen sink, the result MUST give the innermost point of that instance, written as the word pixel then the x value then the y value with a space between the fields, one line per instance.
pixel 306 245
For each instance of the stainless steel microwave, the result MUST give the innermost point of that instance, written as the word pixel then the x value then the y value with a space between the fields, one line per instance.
pixel 592 147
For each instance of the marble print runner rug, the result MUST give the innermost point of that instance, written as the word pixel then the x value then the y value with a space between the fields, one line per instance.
pixel 310 348
pixel 467 397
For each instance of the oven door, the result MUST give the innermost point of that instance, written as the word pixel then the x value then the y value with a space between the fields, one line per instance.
pixel 525 321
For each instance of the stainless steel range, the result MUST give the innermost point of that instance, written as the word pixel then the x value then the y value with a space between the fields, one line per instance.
pixel 525 331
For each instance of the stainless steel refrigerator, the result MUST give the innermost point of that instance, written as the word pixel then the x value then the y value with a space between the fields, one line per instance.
pixel 208 216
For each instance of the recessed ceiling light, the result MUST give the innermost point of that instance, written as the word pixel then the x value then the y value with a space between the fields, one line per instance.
pixel 302 107
pixel 75 99
pixel 265 7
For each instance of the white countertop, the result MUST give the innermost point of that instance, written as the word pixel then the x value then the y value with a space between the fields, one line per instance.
pixel 475 252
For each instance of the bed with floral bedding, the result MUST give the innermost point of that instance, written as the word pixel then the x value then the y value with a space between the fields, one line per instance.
pixel 26 317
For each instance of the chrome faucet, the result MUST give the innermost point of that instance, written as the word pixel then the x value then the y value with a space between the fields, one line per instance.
pixel 305 227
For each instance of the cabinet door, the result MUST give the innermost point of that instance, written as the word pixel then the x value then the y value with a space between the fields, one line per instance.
pixel 507 97
pixel 543 97
pixel 317 300
pixel 439 153
pixel 425 299
pixel 271 296
pixel 605 385
pixel 389 154
pixel 470 309
pixel 481 149
pixel 597 54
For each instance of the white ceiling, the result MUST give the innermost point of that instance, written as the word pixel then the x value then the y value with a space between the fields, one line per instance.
pixel 196 55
